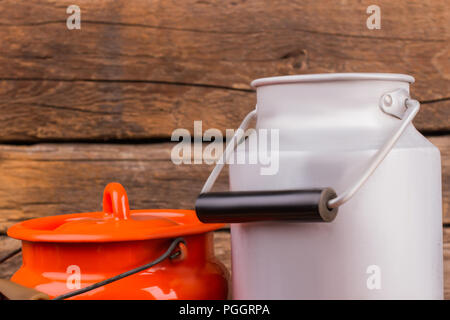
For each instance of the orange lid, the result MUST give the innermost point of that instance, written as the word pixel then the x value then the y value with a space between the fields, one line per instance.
pixel 116 223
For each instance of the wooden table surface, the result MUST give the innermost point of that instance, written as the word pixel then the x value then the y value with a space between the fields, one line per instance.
pixel 81 108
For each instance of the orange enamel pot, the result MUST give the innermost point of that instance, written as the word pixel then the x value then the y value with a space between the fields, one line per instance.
pixel 67 252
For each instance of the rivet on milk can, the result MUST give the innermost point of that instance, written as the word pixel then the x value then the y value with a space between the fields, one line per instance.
pixel 120 254
pixel 347 143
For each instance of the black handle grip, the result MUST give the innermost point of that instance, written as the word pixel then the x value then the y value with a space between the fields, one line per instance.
pixel 246 206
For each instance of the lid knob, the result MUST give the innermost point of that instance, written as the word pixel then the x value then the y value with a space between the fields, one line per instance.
pixel 115 201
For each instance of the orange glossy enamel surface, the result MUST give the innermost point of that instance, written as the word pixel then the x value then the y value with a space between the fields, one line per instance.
pixel 46 267
pixel 103 244
pixel 116 223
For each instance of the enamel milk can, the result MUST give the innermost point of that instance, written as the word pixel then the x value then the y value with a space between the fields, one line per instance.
pixel 354 210
pixel 120 254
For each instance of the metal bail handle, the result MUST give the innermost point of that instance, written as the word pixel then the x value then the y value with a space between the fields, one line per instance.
pixel 308 205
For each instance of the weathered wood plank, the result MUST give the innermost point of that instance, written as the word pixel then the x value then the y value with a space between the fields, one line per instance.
pixel 49 110
pixel 49 179
pixel 130 64
pixel 222 247
pixel 10 266
pixel 52 179
pixel 59 110
pixel 216 42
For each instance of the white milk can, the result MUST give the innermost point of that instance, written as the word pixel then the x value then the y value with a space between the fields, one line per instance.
pixel 354 210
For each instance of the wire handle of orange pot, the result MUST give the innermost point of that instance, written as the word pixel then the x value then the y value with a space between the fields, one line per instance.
pixel 169 253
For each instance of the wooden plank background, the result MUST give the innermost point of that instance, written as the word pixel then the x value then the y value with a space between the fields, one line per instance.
pixel 81 108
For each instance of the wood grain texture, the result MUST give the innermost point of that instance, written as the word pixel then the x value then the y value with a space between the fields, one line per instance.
pixel 175 62
pixel 224 43
pixel 78 110
pixel 11 265
pixel 222 247
pixel 49 179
